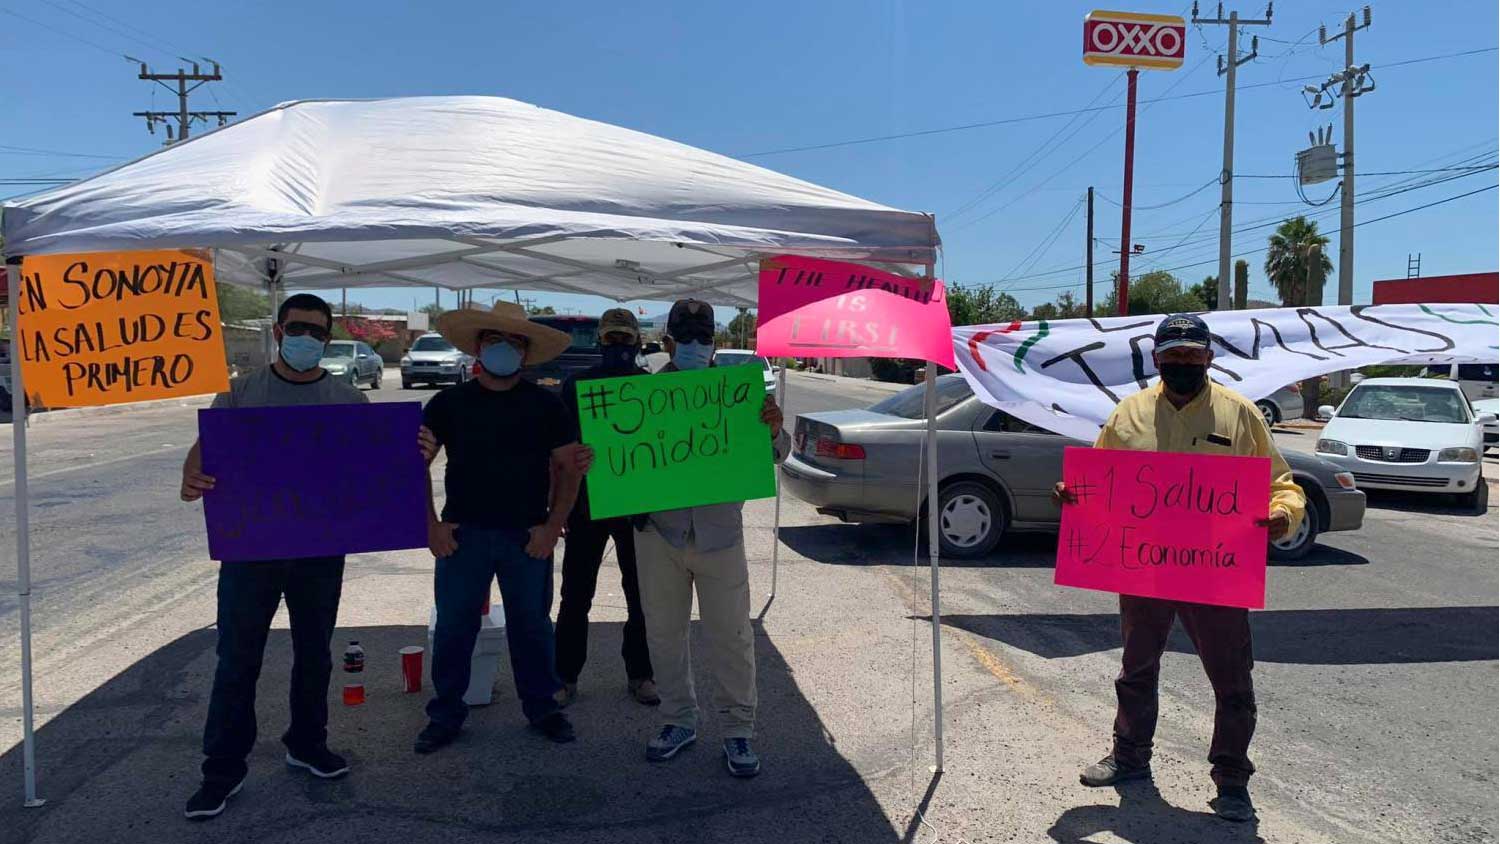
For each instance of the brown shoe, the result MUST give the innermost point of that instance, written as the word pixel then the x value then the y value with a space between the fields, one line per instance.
pixel 1108 771
pixel 644 692
pixel 566 695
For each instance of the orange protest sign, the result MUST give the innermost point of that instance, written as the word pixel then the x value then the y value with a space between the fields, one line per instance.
pixel 115 327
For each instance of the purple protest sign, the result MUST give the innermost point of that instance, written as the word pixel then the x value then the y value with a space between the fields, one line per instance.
pixel 322 480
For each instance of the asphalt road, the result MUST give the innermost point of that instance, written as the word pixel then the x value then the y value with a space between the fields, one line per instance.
pixel 1376 676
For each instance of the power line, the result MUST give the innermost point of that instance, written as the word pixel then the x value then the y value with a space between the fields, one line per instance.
pixel 1047 116
pixel 1200 189
pixel 79 38
pixel 1376 173
pixel 7 149
pixel 1267 247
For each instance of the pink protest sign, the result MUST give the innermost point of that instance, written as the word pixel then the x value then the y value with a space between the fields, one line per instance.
pixel 1160 525
pixel 827 309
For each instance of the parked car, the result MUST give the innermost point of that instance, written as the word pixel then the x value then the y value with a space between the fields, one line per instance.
pixel 997 471
pixel 1477 380
pixel 1413 434
pixel 433 360
pixel 1284 404
pixel 583 353
pixel 1489 407
pixel 353 361
pixel 745 357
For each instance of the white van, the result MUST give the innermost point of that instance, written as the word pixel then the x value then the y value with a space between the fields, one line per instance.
pixel 1477 380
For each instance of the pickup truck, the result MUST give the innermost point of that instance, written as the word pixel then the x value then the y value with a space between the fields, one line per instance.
pixel 582 354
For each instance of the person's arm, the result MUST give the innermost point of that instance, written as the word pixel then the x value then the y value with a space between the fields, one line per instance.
pixel 568 465
pixel 194 482
pixel 1108 438
pixel 1288 501
pixel 440 538
pixel 781 441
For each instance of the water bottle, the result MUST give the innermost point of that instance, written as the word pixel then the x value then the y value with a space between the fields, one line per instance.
pixel 354 670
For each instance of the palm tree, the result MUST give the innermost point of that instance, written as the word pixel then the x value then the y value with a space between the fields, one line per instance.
pixel 1286 262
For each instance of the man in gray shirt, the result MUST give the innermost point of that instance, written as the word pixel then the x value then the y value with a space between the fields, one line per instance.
pixel 249 592
pixel 702 547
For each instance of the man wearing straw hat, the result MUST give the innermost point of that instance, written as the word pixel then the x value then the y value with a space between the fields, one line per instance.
pixel 514 468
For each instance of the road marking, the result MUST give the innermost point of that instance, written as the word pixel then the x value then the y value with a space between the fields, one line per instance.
pixel 36 476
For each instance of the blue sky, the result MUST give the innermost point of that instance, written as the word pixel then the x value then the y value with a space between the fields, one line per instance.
pixel 749 78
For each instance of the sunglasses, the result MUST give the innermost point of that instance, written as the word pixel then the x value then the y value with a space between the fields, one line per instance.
pixel 312 329
pixel 694 335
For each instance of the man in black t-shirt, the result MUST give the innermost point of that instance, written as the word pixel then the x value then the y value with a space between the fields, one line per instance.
pixel 514 468
pixel 620 342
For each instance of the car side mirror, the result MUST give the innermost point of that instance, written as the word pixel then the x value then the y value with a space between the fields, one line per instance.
pixel 1486 418
pixel 1326 411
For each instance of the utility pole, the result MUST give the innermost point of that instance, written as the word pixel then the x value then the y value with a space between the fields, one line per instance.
pixel 1122 293
pixel 1353 82
pixel 182 116
pixel 1226 176
pixel 1088 261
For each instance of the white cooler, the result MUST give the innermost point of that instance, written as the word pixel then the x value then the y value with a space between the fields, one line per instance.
pixel 484 665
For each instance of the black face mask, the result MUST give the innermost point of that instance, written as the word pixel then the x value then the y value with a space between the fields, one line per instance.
pixel 618 358
pixel 1184 379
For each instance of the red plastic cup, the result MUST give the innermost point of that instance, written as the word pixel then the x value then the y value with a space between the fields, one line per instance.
pixel 411 668
pixel 354 694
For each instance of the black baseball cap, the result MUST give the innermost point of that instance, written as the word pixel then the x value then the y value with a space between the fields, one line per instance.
pixel 690 320
pixel 1181 330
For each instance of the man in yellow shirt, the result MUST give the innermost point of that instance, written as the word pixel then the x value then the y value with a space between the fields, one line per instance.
pixel 1188 413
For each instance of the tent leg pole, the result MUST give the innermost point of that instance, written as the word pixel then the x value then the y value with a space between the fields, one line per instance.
pixel 776 523
pixel 933 547
pixel 23 543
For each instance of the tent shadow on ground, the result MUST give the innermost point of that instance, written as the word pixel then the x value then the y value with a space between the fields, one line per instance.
pixel 891 545
pixel 1299 637
pixel 125 757
pixel 1145 817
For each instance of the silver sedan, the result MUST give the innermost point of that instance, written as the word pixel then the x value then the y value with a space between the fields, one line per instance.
pixel 996 472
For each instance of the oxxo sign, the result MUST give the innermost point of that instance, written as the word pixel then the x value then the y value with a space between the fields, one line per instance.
pixel 1128 39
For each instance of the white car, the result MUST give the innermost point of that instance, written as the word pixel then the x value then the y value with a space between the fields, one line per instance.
pixel 1412 434
pixel 433 360
pixel 745 357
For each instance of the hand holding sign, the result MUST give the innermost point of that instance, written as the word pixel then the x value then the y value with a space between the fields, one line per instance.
pixel 1183 527
pixel 677 439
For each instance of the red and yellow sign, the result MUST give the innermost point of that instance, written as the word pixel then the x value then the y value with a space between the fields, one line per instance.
pixel 1129 39
pixel 115 327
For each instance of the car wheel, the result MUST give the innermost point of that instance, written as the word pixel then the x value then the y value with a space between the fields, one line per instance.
pixel 1478 501
pixel 405 384
pixel 375 384
pixel 1302 540
pixel 971 519
pixel 1268 412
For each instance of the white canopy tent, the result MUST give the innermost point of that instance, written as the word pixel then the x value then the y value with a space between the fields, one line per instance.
pixel 458 192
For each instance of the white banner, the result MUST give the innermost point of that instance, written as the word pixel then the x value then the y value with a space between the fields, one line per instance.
pixel 1068 375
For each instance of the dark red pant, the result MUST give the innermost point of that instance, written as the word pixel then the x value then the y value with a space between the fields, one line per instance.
pixel 1221 636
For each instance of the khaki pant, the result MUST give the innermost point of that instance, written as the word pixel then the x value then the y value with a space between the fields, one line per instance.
pixel 667 577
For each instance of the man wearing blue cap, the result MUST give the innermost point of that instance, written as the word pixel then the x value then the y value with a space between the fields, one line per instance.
pixel 1185 412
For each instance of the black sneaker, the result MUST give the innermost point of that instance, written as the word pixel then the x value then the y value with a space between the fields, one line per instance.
pixel 1233 804
pixel 556 727
pixel 211 798
pixel 435 736
pixel 1108 771
pixel 320 762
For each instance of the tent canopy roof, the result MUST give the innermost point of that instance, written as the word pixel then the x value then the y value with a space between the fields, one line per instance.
pixel 465 192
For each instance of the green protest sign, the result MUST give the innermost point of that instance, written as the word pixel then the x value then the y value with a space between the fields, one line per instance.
pixel 676 439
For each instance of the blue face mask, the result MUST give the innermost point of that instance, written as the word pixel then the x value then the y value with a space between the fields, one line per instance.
pixel 693 355
pixel 501 360
pixel 301 353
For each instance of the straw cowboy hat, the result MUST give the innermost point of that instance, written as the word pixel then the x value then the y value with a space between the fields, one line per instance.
pixel 462 329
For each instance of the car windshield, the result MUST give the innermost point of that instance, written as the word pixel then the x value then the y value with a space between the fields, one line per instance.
pixel 339 350
pixel 1391 402
pixel 909 404
pixel 741 359
pixel 583 334
pixel 432 344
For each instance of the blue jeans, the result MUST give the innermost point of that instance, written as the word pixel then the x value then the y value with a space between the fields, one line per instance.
pixel 460 585
pixel 248 596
